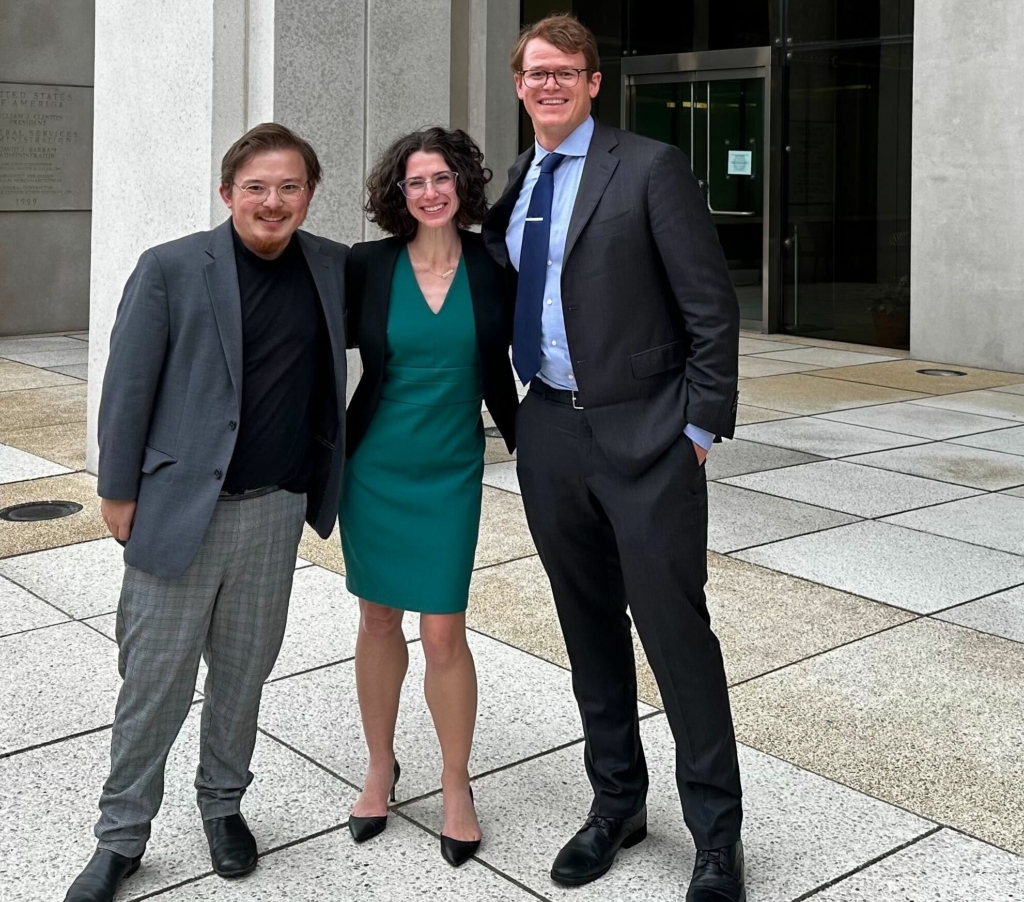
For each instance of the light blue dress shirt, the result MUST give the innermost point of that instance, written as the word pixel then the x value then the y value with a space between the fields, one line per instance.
pixel 555 362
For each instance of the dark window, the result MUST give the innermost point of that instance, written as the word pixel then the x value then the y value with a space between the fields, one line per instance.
pixel 844 20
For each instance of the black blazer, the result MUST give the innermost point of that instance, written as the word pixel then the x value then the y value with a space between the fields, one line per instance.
pixel 650 310
pixel 371 266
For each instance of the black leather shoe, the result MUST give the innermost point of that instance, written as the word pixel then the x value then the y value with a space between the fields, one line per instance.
pixel 232 845
pixel 458 851
pixel 590 853
pixel 718 876
pixel 364 828
pixel 101 877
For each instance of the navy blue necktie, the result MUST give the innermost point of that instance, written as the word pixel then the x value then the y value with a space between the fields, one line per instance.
pixel 533 269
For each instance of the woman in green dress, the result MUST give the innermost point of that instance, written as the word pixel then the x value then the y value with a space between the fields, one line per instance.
pixel 429 314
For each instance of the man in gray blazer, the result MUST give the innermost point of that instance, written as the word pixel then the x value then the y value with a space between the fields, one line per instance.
pixel 221 429
pixel 626 329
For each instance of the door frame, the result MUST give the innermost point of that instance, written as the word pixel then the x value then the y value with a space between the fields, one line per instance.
pixel 717 65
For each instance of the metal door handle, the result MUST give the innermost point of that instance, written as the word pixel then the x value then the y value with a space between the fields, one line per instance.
pixel 731 213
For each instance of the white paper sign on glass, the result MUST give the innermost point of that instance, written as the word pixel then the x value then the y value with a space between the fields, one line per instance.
pixel 741 162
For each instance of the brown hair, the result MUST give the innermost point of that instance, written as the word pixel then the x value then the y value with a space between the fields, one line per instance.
pixel 385 203
pixel 563 30
pixel 268 136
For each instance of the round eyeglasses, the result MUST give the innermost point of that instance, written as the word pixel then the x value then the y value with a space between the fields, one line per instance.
pixel 564 78
pixel 416 187
pixel 290 192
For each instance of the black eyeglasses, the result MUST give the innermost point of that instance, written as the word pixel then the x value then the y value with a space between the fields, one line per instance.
pixel 565 78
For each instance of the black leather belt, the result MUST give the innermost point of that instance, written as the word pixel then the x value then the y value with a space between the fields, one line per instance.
pixel 558 395
pixel 249 493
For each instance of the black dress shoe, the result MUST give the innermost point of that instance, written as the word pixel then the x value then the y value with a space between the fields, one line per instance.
pixel 232 845
pixel 458 851
pixel 590 853
pixel 101 877
pixel 718 876
pixel 364 828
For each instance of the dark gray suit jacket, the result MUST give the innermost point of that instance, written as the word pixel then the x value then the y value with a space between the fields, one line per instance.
pixel 173 389
pixel 650 310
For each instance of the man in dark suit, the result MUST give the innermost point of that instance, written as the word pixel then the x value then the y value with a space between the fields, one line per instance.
pixel 221 429
pixel 626 329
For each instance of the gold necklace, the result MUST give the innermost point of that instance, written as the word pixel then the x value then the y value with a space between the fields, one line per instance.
pixel 440 275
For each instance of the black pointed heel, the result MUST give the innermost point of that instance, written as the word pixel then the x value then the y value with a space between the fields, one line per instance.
pixel 364 828
pixel 458 851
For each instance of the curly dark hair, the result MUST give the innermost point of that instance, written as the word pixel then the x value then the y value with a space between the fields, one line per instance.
pixel 385 203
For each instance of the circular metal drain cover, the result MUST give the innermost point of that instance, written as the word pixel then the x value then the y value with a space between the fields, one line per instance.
pixel 492 432
pixel 942 373
pixel 33 511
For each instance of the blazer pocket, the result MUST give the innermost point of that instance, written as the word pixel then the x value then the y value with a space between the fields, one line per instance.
pixel 613 225
pixel 153 459
pixel 658 360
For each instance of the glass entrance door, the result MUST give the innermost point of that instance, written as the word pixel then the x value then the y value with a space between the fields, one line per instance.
pixel 719 120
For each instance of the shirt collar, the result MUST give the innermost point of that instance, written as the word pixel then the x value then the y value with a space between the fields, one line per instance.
pixel 576 145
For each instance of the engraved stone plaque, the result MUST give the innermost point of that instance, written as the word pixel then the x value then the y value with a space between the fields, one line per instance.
pixel 45 147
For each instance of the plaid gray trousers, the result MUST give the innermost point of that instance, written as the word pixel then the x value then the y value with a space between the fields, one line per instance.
pixel 231 607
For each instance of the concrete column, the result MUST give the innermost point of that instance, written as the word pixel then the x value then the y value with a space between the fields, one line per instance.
pixel 177 83
pixel 967 279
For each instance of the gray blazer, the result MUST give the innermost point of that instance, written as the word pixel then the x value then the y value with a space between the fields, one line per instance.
pixel 173 388
pixel 650 310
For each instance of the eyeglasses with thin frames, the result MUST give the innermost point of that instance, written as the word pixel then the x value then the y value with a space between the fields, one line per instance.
pixel 443 182
pixel 564 78
pixel 290 192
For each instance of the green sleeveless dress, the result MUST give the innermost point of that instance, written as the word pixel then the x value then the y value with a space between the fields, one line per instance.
pixel 410 504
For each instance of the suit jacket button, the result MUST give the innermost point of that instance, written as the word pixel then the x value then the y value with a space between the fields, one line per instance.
pixel 217 474
pixel 232 425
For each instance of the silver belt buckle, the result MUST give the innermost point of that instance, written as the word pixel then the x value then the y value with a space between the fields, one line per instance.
pixel 575 406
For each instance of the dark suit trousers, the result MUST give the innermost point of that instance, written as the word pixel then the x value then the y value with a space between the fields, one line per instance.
pixel 607 540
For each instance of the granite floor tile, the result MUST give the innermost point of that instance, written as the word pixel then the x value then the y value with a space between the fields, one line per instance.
pixel 1001 614
pixel 852 489
pixel 502 476
pixel 945 867
pixel 43 406
pixel 974 467
pixel 906 374
pixel 19 377
pixel 734 458
pixel 1001 405
pixel 504 534
pixel 826 357
pixel 82 580
pixel 50 795
pixel 63 444
pixel 15 347
pixel 745 414
pixel 915 419
pixel 318 714
pixel 902 567
pixel 807 395
pixel 927 716
pixel 57 681
pixel 824 438
pixel 79 354
pixel 764 345
pixel 404 863
pixel 324 553
pixel 1016 389
pixel 21 610
pixel 1008 441
pixel 799 830
pixel 75 370
pixel 81 336
pixel 17 466
pixel 994 520
pixel 1018 492
pixel 21 538
pixel 759 367
pixel 738 518
pixel 872 350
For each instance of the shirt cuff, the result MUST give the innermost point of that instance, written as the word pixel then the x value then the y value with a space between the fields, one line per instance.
pixel 698 435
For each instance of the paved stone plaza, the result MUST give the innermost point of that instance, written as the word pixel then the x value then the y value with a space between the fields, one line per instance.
pixel 866 581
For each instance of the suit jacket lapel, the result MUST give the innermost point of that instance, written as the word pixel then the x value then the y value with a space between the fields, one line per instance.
pixel 377 296
pixel 501 212
pixel 222 283
pixel 597 172
pixel 331 299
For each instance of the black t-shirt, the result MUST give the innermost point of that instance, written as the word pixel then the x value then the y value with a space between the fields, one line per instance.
pixel 284 340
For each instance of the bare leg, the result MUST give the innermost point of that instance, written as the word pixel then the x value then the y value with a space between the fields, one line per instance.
pixel 382 658
pixel 450 687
